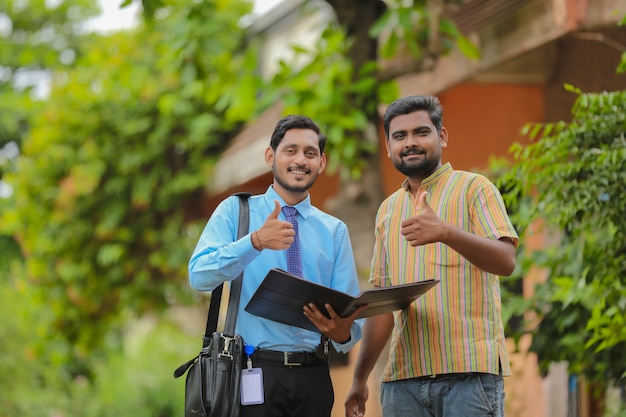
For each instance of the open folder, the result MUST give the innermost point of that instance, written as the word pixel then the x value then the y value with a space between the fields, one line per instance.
pixel 282 296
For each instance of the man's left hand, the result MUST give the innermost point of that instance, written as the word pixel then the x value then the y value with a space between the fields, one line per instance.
pixel 335 328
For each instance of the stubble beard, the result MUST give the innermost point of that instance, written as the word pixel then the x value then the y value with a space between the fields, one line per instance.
pixel 300 188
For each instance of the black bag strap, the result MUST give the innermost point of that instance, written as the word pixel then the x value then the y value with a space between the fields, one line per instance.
pixel 235 286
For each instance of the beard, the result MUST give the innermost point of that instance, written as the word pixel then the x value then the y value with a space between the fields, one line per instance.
pixel 297 187
pixel 420 169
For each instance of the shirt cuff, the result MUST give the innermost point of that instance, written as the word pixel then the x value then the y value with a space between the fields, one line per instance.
pixel 355 336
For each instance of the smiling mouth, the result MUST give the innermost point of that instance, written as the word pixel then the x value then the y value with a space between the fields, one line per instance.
pixel 411 155
pixel 299 171
pixel 412 152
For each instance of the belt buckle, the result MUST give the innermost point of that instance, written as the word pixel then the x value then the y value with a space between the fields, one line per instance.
pixel 286 360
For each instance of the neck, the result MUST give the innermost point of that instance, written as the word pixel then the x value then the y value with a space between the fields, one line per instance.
pixel 290 197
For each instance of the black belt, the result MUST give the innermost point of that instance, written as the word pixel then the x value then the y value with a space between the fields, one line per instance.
pixel 288 358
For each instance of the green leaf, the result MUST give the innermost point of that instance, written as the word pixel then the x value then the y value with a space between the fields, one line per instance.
pixel 468 48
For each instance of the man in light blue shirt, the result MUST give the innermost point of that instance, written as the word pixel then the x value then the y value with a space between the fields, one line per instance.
pixel 296 156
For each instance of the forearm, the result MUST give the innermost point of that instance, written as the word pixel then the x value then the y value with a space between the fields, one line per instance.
pixel 210 267
pixel 376 332
pixel 490 255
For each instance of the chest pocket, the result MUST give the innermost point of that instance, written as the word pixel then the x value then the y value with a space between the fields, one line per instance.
pixel 320 263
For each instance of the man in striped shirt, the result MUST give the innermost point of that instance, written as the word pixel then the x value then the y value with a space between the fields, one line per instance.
pixel 447 352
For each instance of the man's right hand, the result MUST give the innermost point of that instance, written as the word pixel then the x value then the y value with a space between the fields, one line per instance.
pixel 276 234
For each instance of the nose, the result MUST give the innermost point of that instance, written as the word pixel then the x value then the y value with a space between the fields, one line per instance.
pixel 412 141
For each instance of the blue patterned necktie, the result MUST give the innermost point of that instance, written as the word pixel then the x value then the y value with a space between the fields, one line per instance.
pixel 294 260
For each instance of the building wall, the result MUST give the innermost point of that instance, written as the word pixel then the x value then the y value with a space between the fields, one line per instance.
pixel 588 62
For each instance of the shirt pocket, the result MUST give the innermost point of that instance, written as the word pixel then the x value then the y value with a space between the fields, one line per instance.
pixel 322 265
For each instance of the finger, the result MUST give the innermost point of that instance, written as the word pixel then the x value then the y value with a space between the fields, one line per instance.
pixel 321 324
pixel 406 223
pixel 274 214
pixel 352 409
pixel 421 202
pixel 331 311
pixel 355 409
pixel 312 309
pixel 349 408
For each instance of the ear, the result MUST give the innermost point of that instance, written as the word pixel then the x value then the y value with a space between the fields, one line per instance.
pixel 387 146
pixel 443 137
pixel 269 156
pixel 322 163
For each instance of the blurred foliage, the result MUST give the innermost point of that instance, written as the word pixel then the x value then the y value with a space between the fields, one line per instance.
pixel 343 100
pixel 116 159
pixel 571 182
pixel 36 39
pixel 136 380
pixel 421 29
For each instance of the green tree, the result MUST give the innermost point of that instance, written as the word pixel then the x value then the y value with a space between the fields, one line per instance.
pixel 572 180
pixel 115 162
pixel 36 39
pixel 569 185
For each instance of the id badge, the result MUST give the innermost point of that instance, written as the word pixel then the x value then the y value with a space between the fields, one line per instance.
pixel 252 386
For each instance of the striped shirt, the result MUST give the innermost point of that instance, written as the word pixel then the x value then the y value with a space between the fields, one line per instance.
pixel 457 325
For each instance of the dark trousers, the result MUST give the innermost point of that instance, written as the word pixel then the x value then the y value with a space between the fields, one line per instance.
pixel 293 391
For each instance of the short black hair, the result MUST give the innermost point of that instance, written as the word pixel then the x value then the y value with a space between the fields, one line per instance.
pixel 410 104
pixel 295 121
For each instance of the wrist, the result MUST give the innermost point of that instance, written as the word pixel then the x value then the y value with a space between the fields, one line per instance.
pixel 256 241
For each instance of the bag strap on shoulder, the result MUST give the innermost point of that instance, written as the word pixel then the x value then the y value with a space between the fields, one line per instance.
pixel 235 285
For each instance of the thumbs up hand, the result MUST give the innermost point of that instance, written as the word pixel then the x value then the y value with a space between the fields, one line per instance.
pixel 425 226
pixel 422 204
pixel 275 234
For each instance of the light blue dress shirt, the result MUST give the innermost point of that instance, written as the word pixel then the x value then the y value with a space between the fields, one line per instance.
pixel 327 259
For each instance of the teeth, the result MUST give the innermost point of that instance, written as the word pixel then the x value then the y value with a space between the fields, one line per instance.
pixel 299 172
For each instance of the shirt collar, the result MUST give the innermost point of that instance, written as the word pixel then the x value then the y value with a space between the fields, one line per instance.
pixel 432 178
pixel 303 207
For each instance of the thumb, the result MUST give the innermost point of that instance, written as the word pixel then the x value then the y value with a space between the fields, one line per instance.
pixel 274 214
pixel 421 202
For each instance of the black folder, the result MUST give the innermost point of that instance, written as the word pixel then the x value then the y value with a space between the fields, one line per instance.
pixel 282 296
